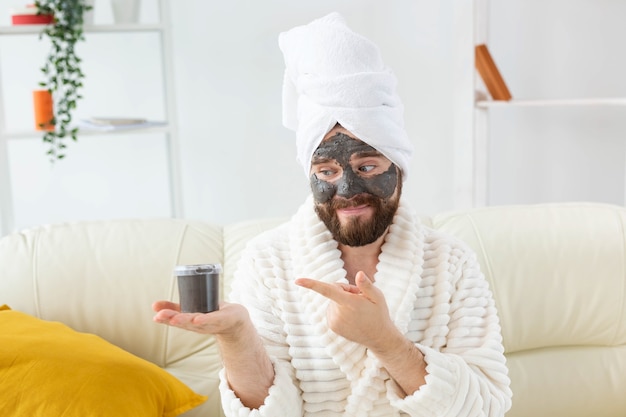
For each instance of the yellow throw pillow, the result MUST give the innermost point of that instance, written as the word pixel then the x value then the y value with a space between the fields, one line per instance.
pixel 48 369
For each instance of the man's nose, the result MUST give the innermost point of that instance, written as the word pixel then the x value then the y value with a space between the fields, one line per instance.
pixel 350 184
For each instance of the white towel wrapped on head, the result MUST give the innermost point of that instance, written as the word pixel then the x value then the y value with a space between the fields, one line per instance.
pixel 334 75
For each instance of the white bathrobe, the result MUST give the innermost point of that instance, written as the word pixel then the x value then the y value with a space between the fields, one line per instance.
pixel 436 295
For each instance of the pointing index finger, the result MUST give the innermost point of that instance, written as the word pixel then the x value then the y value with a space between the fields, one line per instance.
pixel 330 291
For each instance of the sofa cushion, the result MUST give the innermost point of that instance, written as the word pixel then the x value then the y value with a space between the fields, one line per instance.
pixel 102 277
pixel 48 369
pixel 557 272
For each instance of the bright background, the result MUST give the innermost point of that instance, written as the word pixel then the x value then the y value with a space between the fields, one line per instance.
pixel 237 160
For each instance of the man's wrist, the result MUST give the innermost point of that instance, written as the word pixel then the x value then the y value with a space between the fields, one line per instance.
pixel 242 332
pixel 393 345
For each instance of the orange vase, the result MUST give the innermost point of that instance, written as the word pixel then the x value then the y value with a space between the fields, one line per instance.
pixel 43 107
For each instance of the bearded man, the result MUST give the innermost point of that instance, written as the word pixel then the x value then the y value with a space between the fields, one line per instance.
pixel 353 308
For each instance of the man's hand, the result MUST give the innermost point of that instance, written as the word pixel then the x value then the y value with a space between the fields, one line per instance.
pixel 227 321
pixel 357 312
pixel 360 313
pixel 248 368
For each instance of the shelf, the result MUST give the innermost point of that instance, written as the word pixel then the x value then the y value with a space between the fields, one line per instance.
pixel 129 27
pixel 162 29
pixel 617 101
pixel 32 134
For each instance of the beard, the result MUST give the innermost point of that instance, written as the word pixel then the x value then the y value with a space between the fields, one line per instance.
pixel 357 231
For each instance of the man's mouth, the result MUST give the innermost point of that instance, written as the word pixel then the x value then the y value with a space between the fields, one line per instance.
pixel 353 211
pixel 356 202
pixel 355 208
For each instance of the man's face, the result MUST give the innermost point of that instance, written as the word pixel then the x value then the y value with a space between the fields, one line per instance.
pixel 356 188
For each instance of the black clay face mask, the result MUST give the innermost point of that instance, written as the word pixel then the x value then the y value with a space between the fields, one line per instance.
pixel 341 148
pixel 375 191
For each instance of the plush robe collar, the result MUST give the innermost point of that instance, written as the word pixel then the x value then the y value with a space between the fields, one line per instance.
pixel 315 254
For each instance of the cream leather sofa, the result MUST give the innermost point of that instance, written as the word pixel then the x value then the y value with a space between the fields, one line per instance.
pixel 558 273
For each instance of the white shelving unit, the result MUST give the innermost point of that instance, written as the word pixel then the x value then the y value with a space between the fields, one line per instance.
pixel 163 29
pixel 618 101
pixel 480 155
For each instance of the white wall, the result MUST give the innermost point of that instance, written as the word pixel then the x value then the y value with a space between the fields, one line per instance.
pixel 238 160
pixel 559 49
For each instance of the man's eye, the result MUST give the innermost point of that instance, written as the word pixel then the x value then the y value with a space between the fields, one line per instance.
pixel 327 172
pixel 366 168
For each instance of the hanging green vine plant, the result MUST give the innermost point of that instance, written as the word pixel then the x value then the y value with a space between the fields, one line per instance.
pixel 62 72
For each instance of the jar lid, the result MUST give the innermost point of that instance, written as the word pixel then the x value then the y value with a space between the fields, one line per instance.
pixel 198 269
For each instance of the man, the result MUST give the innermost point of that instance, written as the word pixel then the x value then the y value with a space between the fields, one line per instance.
pixel 353 307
